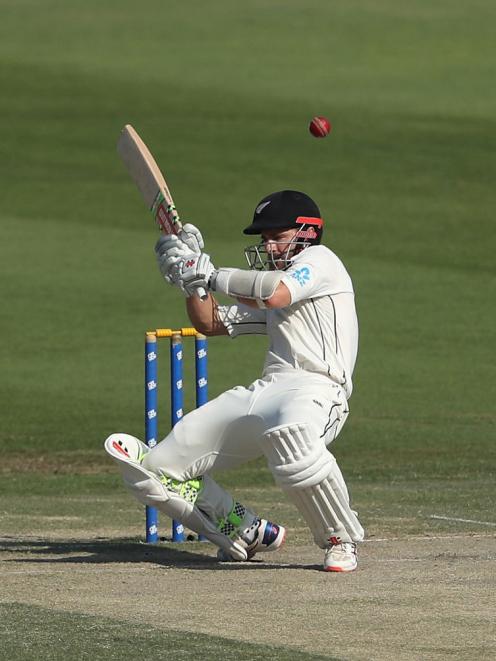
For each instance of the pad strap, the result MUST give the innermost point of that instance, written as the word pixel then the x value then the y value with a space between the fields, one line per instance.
pixel 234 523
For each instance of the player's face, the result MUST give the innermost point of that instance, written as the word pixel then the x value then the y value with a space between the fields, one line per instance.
pixel 278 245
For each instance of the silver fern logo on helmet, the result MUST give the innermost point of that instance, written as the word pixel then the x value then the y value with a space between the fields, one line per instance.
pixel 262 206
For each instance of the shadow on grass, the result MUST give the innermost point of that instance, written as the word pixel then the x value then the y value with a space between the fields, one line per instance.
pixel 124 550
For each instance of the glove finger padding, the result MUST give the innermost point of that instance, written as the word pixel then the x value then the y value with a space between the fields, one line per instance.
pixel 171 242
pixel 164 242
pixel 174 253
pixel 196 271
pixel 169 265
pixel 170 252
pixel 192 237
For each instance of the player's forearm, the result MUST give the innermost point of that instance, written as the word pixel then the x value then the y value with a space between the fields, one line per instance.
pixel 204 315
pixel 249 302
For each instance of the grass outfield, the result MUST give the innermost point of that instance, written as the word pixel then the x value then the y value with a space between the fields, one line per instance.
pixel 223 94
pixel 404 181
pixel 105 639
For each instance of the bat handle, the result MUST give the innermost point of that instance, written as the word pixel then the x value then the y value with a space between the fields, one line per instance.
pixel 202 293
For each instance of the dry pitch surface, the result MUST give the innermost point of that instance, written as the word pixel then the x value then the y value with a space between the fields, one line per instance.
pixel 412 598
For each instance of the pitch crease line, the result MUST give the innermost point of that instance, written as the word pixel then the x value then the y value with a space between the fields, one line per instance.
pixel 427 538
pixel 453 518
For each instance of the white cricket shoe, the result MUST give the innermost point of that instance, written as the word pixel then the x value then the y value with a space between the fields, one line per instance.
pixel 261 537
pixel 341 557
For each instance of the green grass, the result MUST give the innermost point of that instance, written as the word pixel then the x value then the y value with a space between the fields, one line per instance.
pixel 390 502
pixel 223 93
pixel 51 634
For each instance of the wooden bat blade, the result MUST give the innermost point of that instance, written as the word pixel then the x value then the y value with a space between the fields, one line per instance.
pixel 148 178
pixel 150 181
pixel 140 164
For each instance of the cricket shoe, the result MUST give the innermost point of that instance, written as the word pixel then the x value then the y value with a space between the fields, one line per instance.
pixel 261 537
pixel 341 557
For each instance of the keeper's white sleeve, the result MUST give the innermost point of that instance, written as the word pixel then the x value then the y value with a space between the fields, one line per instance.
pixel 241 319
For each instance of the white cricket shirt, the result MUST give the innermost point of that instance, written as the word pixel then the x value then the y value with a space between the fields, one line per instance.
pixel 318 331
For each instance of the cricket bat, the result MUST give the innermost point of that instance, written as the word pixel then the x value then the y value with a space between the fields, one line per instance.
pixel 150 181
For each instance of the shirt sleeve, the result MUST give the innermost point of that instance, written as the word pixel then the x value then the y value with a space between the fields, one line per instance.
pixel 316 273
pixel 304 281
pixel 241 319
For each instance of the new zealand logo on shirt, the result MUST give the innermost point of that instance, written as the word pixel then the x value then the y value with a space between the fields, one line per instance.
pixel 301 275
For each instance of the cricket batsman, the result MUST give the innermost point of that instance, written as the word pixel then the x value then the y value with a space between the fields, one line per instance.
pixel 299 293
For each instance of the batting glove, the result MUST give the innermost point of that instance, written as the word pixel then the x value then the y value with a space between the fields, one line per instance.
pixel 196 272
pixel 170 252
pixel 192 237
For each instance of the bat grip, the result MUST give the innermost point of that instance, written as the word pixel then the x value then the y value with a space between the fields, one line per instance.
pixel 202 293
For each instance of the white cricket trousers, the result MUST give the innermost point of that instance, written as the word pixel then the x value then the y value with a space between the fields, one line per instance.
pixel 224 432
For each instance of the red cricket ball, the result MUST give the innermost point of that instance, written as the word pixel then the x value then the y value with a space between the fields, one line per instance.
pixel 319 127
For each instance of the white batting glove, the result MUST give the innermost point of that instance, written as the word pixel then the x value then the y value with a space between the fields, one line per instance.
pixel 170 251
pixel 192 237
pixel 195 272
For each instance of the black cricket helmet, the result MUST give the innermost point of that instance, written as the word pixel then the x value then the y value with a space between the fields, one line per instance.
pixel 284 210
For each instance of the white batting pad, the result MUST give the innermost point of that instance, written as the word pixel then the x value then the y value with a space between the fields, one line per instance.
pixel 149 490
pixel 125 448
pixel 309 474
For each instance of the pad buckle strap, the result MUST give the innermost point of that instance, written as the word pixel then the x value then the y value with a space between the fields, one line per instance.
pixel 231 524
